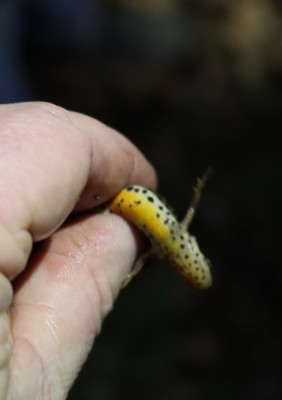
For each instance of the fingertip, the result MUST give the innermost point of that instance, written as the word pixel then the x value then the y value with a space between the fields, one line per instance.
pixel 115 162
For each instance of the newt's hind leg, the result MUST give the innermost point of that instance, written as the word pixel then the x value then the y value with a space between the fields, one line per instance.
pixel 139 263
pixel 195 199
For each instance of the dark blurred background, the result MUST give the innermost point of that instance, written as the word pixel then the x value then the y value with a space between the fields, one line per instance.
pixel 194 84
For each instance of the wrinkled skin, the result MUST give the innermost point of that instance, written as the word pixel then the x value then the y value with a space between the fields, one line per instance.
pixel 58 277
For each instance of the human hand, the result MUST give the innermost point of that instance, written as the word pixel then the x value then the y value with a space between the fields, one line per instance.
pixel 55 293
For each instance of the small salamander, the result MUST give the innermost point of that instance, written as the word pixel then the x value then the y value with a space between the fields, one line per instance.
pixel 170 238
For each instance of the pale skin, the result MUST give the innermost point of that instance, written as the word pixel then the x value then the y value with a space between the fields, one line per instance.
pixel 55 293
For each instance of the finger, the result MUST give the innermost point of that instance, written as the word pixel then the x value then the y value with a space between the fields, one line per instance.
pixel 54 160
pixel 73 281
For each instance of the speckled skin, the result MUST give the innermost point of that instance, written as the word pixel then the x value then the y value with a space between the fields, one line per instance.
pixel 145 209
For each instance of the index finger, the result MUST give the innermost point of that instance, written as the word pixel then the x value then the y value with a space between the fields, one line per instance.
pixel 53 161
